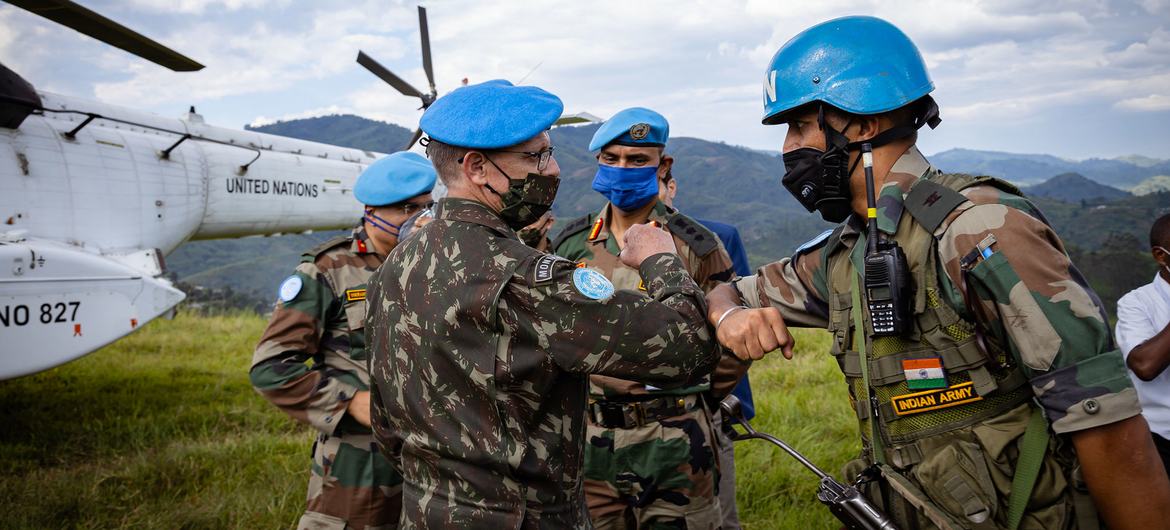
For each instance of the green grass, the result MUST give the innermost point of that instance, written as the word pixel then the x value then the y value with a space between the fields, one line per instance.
pixel 162 430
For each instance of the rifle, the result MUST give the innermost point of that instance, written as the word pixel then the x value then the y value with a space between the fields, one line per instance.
pixel 845 502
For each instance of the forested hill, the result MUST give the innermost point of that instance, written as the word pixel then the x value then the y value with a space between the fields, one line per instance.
pixel 1102 225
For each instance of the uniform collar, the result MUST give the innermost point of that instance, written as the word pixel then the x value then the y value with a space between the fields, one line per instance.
pixel 906 171
pixel 661 213
pixel 475 212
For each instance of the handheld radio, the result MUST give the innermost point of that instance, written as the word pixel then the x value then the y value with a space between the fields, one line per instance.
pixel 887 277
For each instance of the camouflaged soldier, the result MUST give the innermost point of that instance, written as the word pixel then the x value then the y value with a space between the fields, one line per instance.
pixel 482 345
pixel 651 454
pixel 1007 388
pixel 312 359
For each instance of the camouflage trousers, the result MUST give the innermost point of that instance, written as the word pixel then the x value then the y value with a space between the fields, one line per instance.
pixel 660 475
pixel 351 486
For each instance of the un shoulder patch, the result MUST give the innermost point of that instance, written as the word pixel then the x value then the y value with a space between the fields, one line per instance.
pixel 592 284
pixel 290 288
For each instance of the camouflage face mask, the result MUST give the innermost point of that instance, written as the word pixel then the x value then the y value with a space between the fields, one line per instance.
pixel 526 199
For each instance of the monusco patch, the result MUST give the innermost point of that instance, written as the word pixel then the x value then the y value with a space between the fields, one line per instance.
pixel 592 284
pixel 290 288
pixel 543 272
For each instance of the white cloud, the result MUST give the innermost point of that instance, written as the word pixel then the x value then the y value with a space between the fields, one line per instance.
pixel 261 121
pixel 197 7
pixel 698 61
pixel 1150 103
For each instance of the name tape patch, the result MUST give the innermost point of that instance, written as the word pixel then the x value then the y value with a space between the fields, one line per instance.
pixel 355 295
pixel 942 398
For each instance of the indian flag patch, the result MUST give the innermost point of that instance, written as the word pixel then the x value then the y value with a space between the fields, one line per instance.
pixel 924 373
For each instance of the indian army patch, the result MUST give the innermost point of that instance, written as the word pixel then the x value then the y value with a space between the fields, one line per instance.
pixel 355 295
pixel 924 373
pixel 942 398
pixel 290 288
pixel 639 131
pixel 592 284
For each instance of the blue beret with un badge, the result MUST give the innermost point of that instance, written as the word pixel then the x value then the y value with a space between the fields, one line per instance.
pixel 636 127
pixel 394 178
pixel 491 115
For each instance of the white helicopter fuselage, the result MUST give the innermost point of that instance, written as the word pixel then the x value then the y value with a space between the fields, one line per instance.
pixel 88 210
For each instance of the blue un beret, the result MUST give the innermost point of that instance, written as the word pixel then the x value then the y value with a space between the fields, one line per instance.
pixel 491 115
pixel 394 178
pixel 635 126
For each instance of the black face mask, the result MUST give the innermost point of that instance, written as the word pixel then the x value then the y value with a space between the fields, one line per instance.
pixel 526 199
pixel 820 179
pixel 812 177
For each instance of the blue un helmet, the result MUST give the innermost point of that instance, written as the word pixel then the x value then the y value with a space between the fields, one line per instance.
pixel 861 65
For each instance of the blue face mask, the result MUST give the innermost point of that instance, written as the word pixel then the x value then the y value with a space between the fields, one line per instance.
pixel 381 224
pixel 627 188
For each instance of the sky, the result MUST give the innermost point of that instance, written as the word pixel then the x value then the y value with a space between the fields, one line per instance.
pixel 1075 79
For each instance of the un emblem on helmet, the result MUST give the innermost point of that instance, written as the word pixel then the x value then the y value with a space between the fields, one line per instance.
pixel 639 131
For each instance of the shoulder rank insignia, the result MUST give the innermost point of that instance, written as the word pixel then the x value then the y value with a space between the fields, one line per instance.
pixel 698 237
pixel 592 284
pixel 355 295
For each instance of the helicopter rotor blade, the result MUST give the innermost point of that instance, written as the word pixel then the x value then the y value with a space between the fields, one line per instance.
pixel 413 139
pixel 425 36
pixel 386 75
pixel 82 20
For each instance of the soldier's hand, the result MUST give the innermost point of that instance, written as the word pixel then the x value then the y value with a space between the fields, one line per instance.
pixel 643 241
pixel 752 333
pixel 359 408
pixel 535 235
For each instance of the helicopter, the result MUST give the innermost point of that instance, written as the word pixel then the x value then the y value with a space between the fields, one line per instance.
pixel 93 196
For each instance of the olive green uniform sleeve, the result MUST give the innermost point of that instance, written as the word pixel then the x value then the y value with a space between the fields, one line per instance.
pixel 287 366
pixel 1025 290
pixel 795 286
pixel 661 339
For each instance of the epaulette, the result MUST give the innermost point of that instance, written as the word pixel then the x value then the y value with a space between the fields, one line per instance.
pixel 932 199
pixel 701 239
pixel 311 254
pixel 574 226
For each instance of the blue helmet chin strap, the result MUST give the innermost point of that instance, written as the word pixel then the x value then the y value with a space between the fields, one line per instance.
pixel 381 224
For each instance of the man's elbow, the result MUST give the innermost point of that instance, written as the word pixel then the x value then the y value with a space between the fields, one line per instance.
pixel 1143 368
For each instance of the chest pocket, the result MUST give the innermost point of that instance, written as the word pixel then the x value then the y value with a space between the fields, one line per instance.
pixel 355 318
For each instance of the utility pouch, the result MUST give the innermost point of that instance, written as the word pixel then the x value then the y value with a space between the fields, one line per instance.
pixel 959 483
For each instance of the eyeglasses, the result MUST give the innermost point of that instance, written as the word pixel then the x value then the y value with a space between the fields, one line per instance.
pixel 410 207
pixel 542 157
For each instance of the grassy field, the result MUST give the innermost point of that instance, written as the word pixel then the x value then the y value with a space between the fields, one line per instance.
pixel 162 430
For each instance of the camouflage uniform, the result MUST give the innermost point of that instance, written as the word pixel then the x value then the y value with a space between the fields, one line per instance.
pixel 351 484
pixel 650 472
pixel 481 346
pixel 1041 336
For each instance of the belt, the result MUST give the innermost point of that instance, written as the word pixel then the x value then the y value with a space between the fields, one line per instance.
pixel 627 415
